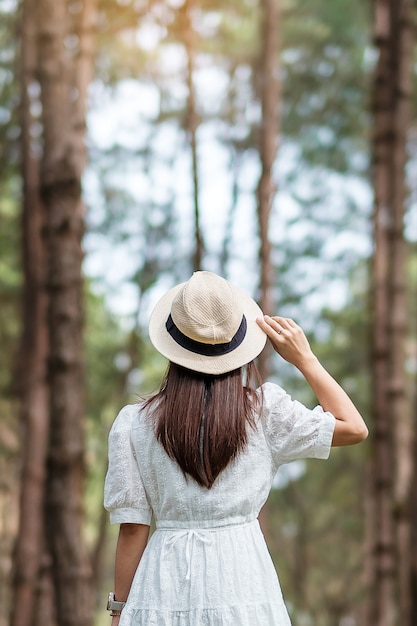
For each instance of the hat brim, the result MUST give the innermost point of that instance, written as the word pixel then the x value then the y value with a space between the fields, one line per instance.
pixel 251 346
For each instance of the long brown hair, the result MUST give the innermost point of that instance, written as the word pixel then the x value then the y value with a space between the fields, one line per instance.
pixel 201 420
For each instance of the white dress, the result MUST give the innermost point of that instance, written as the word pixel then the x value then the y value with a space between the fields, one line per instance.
pixel 207 563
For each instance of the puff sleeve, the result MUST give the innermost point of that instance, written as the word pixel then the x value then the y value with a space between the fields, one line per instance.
pixel 292 430
pixel 124 493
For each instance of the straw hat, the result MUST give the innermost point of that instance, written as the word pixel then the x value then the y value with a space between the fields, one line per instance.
pixel 207 325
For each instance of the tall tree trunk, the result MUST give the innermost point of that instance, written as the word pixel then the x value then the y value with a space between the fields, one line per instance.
pixel 62 165
pixel 45 608
pixel 84 30
pixel 413 577
pixel 34 348
pixel 389 584
pixel 192 122
pixel 381 609
pixel 268 73
pixel 268 141
pixel 398 401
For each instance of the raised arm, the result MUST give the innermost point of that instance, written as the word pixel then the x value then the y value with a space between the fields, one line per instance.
pixel 289 340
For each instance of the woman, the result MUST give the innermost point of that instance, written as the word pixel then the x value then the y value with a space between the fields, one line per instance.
pixel 200 456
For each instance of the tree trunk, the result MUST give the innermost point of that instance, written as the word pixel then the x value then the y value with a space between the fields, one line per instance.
pixel 389 580
pixel 84 30
pixel 45 611
pixel 34 348
pixel 62 166
pixel 268 141
pixel 414 526
pixel 398 401
pixel 381 609
pixel 192 122
pixel 267 74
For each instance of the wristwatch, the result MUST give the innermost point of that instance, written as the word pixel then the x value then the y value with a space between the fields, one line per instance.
pixel 114 605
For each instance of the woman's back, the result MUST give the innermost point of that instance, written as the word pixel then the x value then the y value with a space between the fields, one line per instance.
pixel 153 482
pixel 207 562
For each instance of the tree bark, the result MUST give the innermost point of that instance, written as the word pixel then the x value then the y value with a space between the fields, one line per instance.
pixel 34 348
pixel 267 74
pixel 62 166
pixel 268 141
pixel 398 401
pixel 390 564
pixel 381 605
pixel 84 30
pixel 414 525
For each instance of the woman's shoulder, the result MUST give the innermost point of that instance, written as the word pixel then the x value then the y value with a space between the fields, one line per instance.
pixel 271 392
pixel 271 400
pixel 128 416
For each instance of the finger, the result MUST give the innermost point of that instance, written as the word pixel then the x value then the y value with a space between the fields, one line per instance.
pixel 286 322
pixel 283 322
pixel 291 322
pixel 265 324
pixel 274 324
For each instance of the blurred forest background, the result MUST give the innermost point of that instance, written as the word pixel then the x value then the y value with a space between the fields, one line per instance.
pixel 271 141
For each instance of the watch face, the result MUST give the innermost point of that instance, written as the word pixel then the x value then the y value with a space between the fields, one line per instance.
pixel 114 605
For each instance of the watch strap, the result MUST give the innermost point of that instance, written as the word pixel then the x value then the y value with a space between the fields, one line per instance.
pixel 113 604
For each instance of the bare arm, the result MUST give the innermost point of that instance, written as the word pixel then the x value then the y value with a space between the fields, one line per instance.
pixel 290 342
pixel 130 546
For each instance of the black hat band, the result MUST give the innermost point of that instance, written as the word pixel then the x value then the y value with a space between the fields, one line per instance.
pixel 206 349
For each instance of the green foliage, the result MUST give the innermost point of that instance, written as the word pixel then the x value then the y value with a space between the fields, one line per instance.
pixel 9 92
pixel 316 530
pixel 114 359
pixel 327 81
pixel 10 289
pixel 316 521
pixel 325 127
pixel 325 65
pixel 10 237
pixel 104 341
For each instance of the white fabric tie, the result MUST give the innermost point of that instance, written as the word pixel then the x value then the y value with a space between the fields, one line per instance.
pixel 201 535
